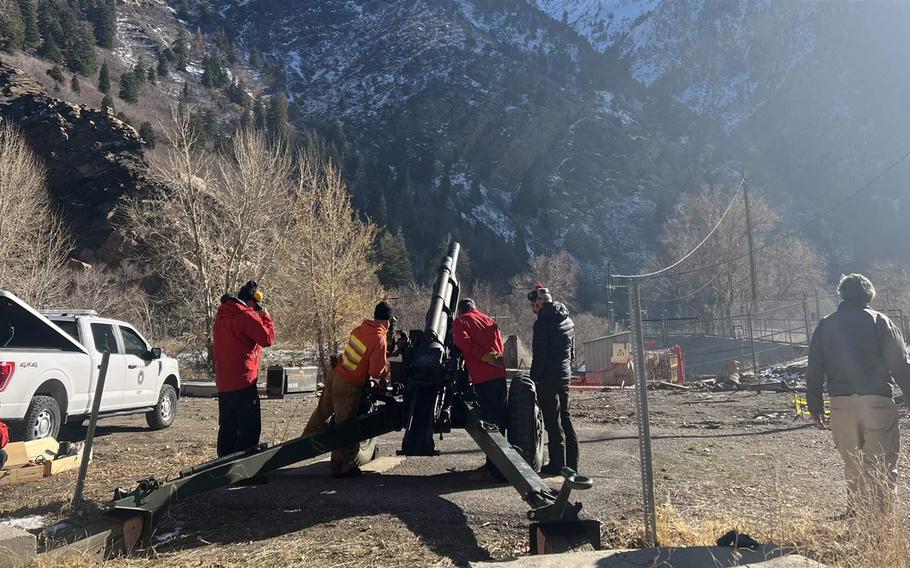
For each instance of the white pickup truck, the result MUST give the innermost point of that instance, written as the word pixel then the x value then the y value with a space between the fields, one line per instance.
pixel 49 366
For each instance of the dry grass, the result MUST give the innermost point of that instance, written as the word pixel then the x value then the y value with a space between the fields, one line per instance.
pixel 872 539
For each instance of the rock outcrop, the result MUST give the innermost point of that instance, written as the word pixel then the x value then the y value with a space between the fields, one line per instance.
pixel 93 160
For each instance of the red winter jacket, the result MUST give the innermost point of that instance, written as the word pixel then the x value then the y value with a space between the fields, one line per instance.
pixel 239 336
pixel 4 435
pixel 476 334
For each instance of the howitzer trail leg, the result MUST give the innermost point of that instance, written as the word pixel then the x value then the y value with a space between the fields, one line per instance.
pixel 153 497
pixel 558 526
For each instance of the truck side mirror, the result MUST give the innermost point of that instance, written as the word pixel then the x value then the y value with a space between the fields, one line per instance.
pixel 155 353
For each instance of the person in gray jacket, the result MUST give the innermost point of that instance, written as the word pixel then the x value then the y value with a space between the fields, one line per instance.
pixel 859 353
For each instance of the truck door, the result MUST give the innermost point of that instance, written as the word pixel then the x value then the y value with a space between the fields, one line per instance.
pixel 105 340
pixel 140 385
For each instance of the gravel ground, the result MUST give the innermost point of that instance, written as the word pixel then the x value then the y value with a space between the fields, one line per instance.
pixel 716 455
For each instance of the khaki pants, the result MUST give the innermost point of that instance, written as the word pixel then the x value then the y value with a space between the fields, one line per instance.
pixel 867 435
pixel 341 399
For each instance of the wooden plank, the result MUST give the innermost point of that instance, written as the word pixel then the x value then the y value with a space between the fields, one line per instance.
pixel 96 543
pixel 21 474
pixel 60 465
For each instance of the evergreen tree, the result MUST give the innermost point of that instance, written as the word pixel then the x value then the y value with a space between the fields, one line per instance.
pixel 152 76
pixel 29 13
pixel 148 134
pixel 381 210
pixel 163 63
pixel 81 52
pixel 395 264
pixel 185 95
pixel 183 12
pixel 74 84
pixel 104 79
pixel 277 118
pixel 12 28
pixel 181 52
pixel 259 113
pixel 246 118
pixel 107 103
pixel 129 88
pixel 255 59
pixel 103 17
pixel 139 72
pixel 56 73
pixel 236 93
pixel 51 51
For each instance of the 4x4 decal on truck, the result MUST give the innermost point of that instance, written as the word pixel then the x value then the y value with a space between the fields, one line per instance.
pixel 28 364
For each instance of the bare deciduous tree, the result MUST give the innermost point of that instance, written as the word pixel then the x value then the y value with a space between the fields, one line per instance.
pixel 217 222
pixel 327 281
pixel 34 242
pixel 786 267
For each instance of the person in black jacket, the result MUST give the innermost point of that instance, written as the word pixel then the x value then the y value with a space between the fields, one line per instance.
pixel 553 348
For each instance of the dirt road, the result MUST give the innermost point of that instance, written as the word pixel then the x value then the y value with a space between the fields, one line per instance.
pixel 731 455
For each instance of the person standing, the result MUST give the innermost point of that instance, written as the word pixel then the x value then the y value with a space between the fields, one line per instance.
pixel 478 338
pixel 858 353
pixel 242 328
pixel 552 350
pixel 364 356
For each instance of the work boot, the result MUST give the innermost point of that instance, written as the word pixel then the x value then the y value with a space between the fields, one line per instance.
pixel 353 472
pixel 551 469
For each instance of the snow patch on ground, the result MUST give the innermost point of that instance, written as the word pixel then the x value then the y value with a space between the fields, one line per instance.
pixel 30 522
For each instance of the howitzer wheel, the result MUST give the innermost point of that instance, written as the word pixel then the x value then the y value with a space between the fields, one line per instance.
pixel 366 451
pixel 525 428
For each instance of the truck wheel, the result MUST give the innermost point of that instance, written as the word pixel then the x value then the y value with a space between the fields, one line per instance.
pixel 42 420
pixel 525 428
pixel 165 411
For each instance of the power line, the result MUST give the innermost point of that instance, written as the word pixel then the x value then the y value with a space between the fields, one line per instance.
pixel 799 228
pixel 698 246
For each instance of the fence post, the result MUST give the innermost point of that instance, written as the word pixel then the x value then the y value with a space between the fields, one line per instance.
pixel 752 341
pixel 90 435
pixel 644 425
pixel 806 317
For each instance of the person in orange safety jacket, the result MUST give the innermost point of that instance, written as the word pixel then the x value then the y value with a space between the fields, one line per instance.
pixel 364 356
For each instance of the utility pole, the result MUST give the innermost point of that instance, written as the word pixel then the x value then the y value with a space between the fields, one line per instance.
pixel 753 279
pixel 610 312
pixel 752 275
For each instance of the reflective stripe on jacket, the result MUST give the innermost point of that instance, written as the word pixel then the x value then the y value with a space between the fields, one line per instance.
pixel 364 355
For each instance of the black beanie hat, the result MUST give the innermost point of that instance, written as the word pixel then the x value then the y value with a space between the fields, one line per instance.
pixel 383 312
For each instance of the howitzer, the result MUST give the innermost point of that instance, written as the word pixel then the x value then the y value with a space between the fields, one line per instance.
pixel 433 397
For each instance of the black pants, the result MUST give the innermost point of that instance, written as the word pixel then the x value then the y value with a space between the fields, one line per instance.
pixel 239 420
pixel 2 458
pixel 491 398
pixel 562 443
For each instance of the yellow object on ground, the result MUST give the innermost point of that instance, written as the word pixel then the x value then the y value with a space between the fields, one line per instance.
pixel 802 407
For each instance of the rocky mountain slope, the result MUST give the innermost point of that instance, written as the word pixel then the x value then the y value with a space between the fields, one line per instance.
pixel 93 159
pixel 488 120
pixel 808 92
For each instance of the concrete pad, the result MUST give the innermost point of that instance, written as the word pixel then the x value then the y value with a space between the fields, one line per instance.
pixel 696 557
pixel 382 464
pixel 17 547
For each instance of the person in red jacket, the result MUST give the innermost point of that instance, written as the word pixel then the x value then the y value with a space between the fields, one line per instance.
pixel 364 356
pixel 242 328
pixel 477 337
pixel 4 440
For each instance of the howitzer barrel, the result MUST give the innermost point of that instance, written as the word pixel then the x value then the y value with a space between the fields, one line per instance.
pixel 437 318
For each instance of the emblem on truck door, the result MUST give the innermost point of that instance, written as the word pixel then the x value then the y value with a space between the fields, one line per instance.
pixel 141 377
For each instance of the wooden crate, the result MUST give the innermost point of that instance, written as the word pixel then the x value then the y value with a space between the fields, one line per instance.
pixel 30 461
